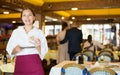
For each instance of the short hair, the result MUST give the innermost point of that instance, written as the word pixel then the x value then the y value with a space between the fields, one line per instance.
pixel 64 25
pixel 90 37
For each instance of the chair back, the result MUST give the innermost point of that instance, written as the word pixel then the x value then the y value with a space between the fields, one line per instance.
pixel 105 57
pixel 85 57
pixel 73 69
pixel 108 55
pixel 108 52
pixel 101 71
pixel 89 53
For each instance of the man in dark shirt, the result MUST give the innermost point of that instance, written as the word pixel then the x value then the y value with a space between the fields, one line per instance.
pixel 74 38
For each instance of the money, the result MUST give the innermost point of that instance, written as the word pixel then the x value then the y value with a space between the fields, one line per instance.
pixel 32 39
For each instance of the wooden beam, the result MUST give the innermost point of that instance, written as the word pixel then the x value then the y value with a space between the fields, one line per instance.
pixel 10 16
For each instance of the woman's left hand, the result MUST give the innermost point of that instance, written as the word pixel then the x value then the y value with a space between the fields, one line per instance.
pixel 36 42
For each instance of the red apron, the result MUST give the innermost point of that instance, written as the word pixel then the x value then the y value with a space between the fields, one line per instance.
pixel 28 65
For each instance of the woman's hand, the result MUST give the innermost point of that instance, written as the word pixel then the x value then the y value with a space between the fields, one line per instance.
pixel 37 43
pixel 17 49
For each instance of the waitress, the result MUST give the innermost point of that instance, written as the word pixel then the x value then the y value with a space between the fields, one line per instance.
pixel 29 45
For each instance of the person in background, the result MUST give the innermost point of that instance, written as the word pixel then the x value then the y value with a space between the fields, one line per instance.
pixel 74 38
pixel 45 66
pixel 113 41
pixel 62 48
pixel 91 44
pixel 29 45
pixel 119 40
pixel 52 63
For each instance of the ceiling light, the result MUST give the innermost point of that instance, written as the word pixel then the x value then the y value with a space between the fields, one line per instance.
pixel 5 12
pixel 88 19
pixel 63 18
pixel 55 19
pixel 19 9
pixel 71 22
pixel 73 18
pixel 13 21
pixel 74 8
pixel 46 20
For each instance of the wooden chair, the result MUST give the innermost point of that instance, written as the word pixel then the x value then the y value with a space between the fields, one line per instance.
pixel 73 69
pixel 101 71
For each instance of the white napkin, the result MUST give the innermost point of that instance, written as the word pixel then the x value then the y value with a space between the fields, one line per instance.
pixel 7 68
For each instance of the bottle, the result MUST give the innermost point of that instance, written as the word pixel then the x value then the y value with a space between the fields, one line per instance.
pixel 80 59
pixel 94 54
pixel 5 57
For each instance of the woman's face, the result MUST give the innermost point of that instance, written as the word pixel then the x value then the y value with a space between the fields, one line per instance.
pixel 28 17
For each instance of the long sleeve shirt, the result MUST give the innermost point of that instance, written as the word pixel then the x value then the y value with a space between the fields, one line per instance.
pixel 21 38
pixel 74 38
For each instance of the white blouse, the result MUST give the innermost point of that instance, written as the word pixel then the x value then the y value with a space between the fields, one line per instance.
pixel 20 37
pixel 95 44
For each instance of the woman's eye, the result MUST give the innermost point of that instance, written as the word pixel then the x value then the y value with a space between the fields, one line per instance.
pixel 27 15
pixel 23 15
pixel 30 14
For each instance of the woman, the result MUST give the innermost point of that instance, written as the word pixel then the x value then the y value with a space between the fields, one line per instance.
pixel 62 48
pixel 29 45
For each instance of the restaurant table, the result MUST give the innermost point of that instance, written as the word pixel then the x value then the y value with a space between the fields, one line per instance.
pixel 56 70
pixel 6 68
